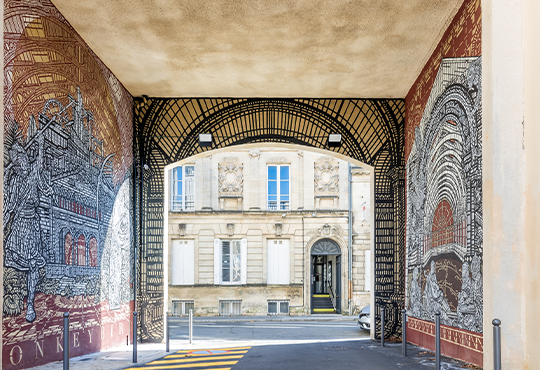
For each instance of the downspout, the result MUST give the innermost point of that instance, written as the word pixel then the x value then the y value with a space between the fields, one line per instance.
pixel 350 240
pixel 303 266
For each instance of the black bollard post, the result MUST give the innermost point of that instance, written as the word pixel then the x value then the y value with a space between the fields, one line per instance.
pixel 167 337
pixel 437 340
pixel 382 326
pixel 66 341
pixel 134 336
pixel 190 326
pixel 497 344
pixel 404 331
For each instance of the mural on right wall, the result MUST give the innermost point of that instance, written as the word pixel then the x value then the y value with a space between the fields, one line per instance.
pixel 443 151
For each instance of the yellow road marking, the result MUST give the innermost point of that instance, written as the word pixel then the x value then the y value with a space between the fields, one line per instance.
pixel 205 354
pixel 183 366
pixel 212 349
pixel 192 360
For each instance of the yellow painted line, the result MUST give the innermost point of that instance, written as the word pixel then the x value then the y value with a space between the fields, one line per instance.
pixel 212 349
pixel 323 310
pixel 177 361
pixel 321 295
pixel 205 354
pixel 189 365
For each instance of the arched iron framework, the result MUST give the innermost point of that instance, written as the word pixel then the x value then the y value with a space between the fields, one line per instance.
pixel 166 131
pixel 326 247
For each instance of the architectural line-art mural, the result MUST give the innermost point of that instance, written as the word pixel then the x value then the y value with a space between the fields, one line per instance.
pixel 444 201
pixel 67 183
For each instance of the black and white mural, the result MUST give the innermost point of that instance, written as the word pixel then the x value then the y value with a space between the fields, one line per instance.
pixel 67 226
pixel 444 201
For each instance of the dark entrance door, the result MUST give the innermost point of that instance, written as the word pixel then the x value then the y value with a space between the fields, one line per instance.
pixel 326 277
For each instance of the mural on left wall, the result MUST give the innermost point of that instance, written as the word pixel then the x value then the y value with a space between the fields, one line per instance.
pixel 67 208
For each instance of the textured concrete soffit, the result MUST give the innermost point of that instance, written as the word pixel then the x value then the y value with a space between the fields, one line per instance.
pixel 278 48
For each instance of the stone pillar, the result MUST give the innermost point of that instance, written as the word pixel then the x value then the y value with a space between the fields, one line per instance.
pixel 207 183
pixel 254 156
pixel 511 179
pixel 301 179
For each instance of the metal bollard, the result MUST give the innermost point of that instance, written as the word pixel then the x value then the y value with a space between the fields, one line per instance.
pixel 404 331
pixel 437 340
pixel 167 332
pixel 66 341
pixel 496 344
pixel 382 326
pixel 135 337
pixel 190 326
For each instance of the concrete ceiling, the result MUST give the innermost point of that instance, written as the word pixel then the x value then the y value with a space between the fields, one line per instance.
pixel 263 48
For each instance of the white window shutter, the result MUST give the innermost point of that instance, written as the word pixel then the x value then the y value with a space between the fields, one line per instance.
pixel 217 261
pixel 176 263
pixel 243 262
pixel 285 266
pixel 189 262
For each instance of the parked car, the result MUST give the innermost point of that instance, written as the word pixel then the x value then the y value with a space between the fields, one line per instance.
pixel 364 318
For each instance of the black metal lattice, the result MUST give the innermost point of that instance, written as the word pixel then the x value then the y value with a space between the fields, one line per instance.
pixel 372 130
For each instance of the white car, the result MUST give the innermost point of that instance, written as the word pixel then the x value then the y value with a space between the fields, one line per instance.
pixel 364 318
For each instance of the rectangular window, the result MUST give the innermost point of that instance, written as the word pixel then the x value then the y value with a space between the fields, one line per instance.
pixel 230 308
pixel 181 308
pixel 279 187
pixel 278 262
pixel 278 307
pixel 183 262
pixel 230 261
pixel 183 188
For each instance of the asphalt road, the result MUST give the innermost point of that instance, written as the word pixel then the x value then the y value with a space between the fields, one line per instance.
pixel 260 331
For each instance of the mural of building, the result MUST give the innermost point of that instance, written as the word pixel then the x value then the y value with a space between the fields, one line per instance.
pixel 67 184
pixel 444 192
pixel 266 231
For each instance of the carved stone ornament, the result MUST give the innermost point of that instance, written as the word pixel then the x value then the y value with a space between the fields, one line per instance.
pixel 327 231
pixel 278 160
pixel 254 153
pixel 279 228
pixel 326 177
pixel 230 229
pixel 182 229
pixel 231 179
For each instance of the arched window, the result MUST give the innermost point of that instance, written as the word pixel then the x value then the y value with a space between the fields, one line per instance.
pixel 68 249
pixel 81 251
pixel 443 224
pixel 92 252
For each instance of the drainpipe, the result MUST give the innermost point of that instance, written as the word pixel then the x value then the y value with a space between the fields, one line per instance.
pixel 350 240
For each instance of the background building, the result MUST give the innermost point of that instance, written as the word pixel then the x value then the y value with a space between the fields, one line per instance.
pixel 263 231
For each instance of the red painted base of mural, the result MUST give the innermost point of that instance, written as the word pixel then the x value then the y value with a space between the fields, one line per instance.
pixel 93 327
pixel 461 344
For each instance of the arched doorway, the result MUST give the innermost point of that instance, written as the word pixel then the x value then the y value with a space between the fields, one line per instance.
pixel 326 277
pixel 372 132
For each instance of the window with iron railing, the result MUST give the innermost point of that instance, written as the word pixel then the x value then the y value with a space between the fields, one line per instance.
pixel 183 188
pixel 279 187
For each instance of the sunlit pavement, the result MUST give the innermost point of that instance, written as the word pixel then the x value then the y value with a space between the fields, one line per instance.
pixel 289 345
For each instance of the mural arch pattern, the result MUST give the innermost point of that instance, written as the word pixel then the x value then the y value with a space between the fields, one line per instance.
pixel 166 131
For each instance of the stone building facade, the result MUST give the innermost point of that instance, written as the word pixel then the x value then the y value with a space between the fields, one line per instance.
pixel 256 232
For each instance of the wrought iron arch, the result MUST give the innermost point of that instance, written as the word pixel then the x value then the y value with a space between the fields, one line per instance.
pixel 166 131
pixel 326 247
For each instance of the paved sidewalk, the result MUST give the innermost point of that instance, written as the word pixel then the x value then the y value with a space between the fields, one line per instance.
pixel 121 357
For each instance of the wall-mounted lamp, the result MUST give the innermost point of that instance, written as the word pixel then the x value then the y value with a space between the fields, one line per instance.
pixel 205 139
pixel 334 140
